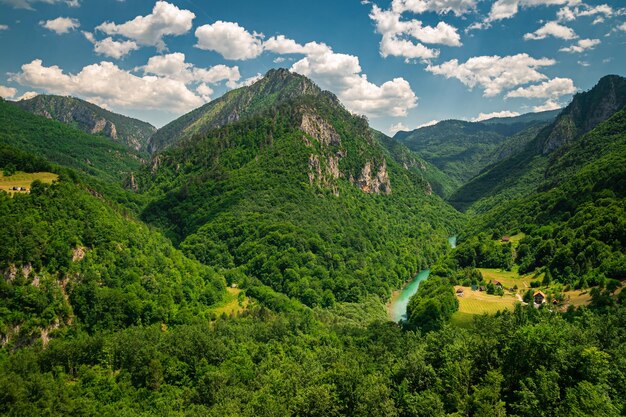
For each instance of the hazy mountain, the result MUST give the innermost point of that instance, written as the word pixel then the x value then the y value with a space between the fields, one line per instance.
pixel 523 172
pixel 463 149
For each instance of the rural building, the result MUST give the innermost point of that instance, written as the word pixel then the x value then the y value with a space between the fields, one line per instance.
pixel 539 297
pixel 505 238
pixel 459 292
pixel 497 284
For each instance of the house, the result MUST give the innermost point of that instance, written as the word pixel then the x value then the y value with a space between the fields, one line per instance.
pixel 539 297
pixel 482 288
pixel 497 284
pixel 459 292
pixel 506 238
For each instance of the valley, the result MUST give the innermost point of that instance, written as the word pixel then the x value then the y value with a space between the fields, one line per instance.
pixel 270 254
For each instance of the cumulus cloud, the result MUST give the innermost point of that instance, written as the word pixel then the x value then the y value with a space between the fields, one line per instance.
pixel 622 27
pixel 494 73
pixel 551 29
pixel 429 123
pixel 402 37
pixel 553 88
pixel 581 46
pixel 569 13
pixel 4 27
pixel 111 48
pixel 175 67
pixel 106 84
pixel 341 73
pixel 397 127
pixel 548 105
pixel 165 20
pixel 505 9
pixel 27 95
pixel 60 25
pixel 229 40
pixel 457 7
pixel 7 92
pixel 486 116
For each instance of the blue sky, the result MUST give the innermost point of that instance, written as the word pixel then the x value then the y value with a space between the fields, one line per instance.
pixel 403 63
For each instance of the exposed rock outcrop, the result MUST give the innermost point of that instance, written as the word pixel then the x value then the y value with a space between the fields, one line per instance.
pixel 377 183
pixel 315 126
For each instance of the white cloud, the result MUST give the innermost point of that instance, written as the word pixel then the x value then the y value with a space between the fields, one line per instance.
pixel 111 48
pixel 60 25
pixel 278 60
pixel 505 9
pixel 622 27
pixel 106 84
pixel 174 66
pixel 581 46
pixel 397 35
pixel 205 91
pixel 230 40
pixel 503 113
pixel 27 4
pixel 166 19
pixel 457 7
pixel 570 13
pixel 4 27
pixel 7 92
pixel 429 123
pixel 494 73
pixel 341 73
pixel 598 20
pixel 548 105
pixel 27 95
pixel 553 88
pixel 397 127
pixel 584 64
pixel 551 29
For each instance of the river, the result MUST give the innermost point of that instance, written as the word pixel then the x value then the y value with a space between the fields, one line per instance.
pixel 400 298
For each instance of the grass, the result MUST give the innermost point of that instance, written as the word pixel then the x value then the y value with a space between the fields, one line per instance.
pixel 508 279
pixel 231 305
pixel 24 179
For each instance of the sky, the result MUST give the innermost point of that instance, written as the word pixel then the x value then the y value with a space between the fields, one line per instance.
pixel 402 63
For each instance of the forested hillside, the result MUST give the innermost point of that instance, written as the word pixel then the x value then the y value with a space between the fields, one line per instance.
pixel 523 172
pixel 463 149
pixel 244 270
pixel 303 197
pixel 91 119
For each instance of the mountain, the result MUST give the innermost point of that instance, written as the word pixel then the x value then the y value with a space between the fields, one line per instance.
pixel 91 119
pixel 275 88
pixel 66 146
pixel 463 149
pixel 300 194
pixel 523 172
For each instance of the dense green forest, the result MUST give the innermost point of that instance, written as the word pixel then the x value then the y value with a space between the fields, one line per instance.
pixel 113 276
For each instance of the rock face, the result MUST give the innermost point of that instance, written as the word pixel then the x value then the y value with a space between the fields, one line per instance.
pixel 314 125
pixel 374 183
pixel 91 119
pixel 585 112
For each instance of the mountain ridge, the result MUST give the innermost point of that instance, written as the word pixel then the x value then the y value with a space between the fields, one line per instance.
pixel 91 118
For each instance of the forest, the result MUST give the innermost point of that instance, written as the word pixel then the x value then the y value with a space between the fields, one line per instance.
pixel 306 221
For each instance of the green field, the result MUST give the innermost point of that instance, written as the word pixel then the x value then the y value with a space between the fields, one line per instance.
pixel 230 305
pixel 24 179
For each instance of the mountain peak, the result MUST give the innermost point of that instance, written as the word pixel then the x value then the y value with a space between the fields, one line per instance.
pixel 586 111
pixel 276 87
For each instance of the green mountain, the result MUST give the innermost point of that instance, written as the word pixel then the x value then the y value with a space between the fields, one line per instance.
pixel 463 149
pixel 64 145
pixel 302 196
pixel 91 119
pixel 280 85
pixel 73 260
pixel 523 172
